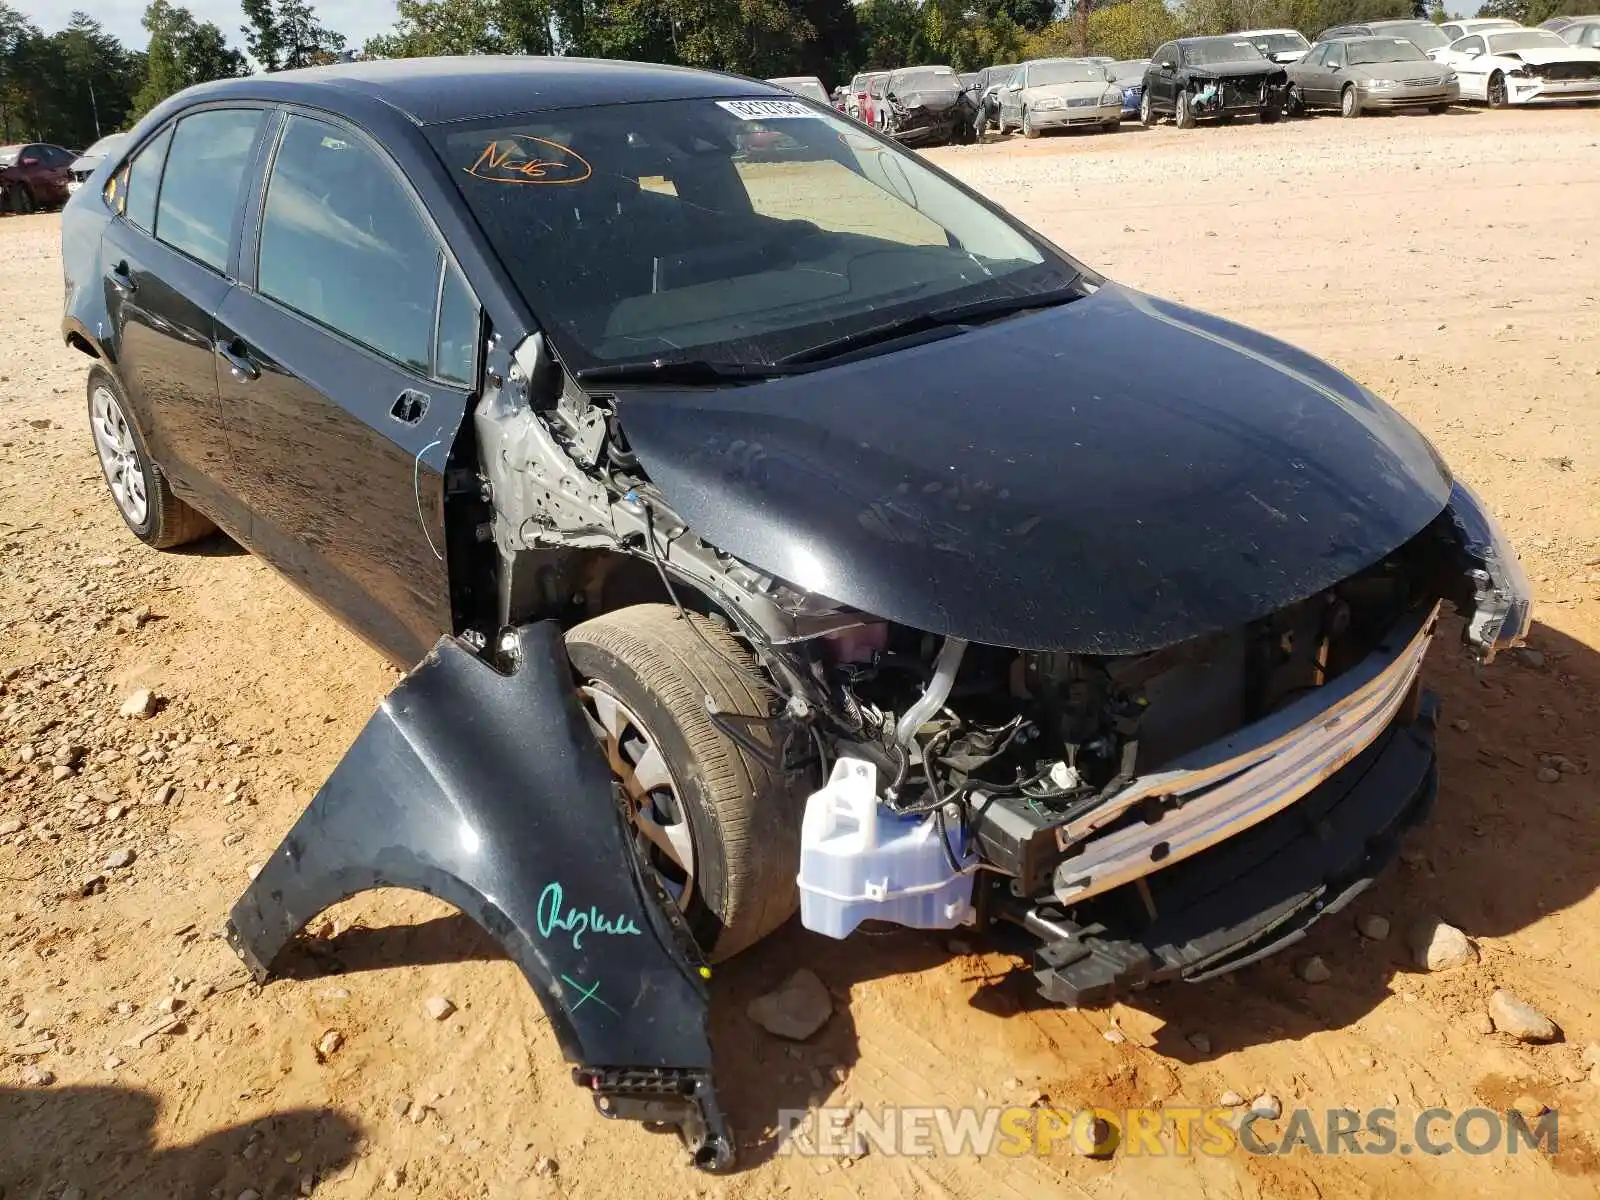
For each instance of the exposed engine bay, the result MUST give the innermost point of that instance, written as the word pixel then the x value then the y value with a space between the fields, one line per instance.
pixel 1209 95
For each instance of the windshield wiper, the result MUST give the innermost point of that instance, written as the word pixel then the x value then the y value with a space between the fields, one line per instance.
pixel 685 371
pixel 946 321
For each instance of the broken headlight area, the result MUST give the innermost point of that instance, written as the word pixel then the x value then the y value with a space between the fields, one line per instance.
pixel 1492 590
pixel 1049 791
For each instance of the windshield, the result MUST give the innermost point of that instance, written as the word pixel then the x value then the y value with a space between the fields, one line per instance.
pixel 1129 72
pixel 1043 74
pixel 734 231
pixel 1421 33
pixel 1524 39
pixel 1384 50
pixel 1219 50
pixel 924 79
pixel 1278 43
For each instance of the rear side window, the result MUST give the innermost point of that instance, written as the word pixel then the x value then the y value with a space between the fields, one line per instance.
pixel 343 243
pixel 143 181
pixel 200 190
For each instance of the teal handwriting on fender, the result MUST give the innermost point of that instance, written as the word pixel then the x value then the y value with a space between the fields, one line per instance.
pixel 554 916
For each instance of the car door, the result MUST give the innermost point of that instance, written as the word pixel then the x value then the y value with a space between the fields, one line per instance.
pixel 1333 75
pixel 1160 76
pixel 1470 60
pixel 1011 97
pixel 349 354
pixel 166 260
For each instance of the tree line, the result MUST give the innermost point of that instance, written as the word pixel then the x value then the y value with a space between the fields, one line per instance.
pixel 72 86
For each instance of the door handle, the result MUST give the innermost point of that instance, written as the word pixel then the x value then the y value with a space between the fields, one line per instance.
pixel 239 363
pixel 121 280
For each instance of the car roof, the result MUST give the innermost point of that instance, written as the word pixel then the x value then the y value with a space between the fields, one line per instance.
pixel 431 91
pixel 1248 32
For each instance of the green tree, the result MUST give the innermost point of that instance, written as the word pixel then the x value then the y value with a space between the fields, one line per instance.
pixel 283 35
pixel 182 53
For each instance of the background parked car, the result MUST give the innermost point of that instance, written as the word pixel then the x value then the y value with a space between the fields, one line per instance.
pixel 1583 32
pixel 1053 93
pixel 1280 45
pixel 1212 77
pixel 34 175
pixel 1427 36
pixel 1455 30
pixel 808 86
pixel 925 106
pixel 1523 66
pixel 1357 74
pixel 876 110
pixel 1129 76
pixel 84 165
pixel 858 103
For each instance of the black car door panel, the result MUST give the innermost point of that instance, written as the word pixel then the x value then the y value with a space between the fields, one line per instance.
pixel 346 496
pixel 339 404
pixel 162 304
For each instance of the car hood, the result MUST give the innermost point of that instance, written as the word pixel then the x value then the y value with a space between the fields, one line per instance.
pixel 1402 71
pixel 1543 58
pixel 1108 476
pixel 1233 70
pixel 1066 91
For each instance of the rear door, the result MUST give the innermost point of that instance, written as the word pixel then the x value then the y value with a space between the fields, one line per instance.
pixel 349 355
pixel 165 262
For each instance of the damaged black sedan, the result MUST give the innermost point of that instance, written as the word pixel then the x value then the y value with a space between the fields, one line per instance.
pixel 731 580
pixel 1212 77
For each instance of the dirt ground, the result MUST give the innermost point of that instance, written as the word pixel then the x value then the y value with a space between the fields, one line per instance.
pixel 1447 262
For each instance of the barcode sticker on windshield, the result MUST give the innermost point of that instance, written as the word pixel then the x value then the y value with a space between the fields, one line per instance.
pixel 765 110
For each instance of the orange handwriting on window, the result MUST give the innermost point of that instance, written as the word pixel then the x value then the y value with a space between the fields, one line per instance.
pixel 522 158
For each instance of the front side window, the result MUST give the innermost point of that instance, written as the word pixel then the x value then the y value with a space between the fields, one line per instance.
pixel 201 187
pixel 1471 45
pixel 343 243
pixel 1336 56
pixel 730 231
pixel 142 181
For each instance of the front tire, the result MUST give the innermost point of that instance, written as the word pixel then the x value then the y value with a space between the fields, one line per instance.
pixel 140 491
pixel 1497 91
pixel 1183 116
pixel 1270 114
pixel 716 823
pixel 1147 115
pixel 1436 109
pixel 1297 102
pixel 1029 130
pixel 1349 102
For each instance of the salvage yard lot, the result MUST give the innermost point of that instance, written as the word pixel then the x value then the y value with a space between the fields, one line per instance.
pixel 1448 262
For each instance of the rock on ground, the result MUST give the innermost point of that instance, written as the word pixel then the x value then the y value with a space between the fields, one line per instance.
pixel 1521 1020
pixel 1313 970
pixel 1373 927
pixel 1438 946
pixel 796 1009
pixel 438 1007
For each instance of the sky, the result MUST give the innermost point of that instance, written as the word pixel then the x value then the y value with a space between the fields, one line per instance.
pixel 356 19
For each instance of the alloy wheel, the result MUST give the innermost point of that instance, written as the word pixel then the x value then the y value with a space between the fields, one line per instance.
pixel 119 457
pixel 1497 90
pixel 1146 116
pixel 655 807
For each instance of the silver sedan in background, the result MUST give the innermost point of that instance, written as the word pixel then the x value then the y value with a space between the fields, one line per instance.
pixel 1354 75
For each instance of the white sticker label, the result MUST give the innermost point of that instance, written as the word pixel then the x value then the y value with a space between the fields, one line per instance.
pixel 766 110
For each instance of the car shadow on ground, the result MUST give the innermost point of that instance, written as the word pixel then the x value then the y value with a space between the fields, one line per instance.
pixel 213 545
pixel 93 1142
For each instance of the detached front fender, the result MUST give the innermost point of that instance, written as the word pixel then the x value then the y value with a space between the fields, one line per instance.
pixel 488 790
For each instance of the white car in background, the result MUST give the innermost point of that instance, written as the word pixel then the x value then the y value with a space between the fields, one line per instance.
pixel 1456 30
pixel 808 86
pixel 1280 45
pixel 1522 66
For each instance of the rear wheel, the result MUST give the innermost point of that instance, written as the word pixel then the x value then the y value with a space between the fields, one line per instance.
pixel 715 822
pixel 140 490
pixel 1497 91
pixel 1183 116
pixel 1349 102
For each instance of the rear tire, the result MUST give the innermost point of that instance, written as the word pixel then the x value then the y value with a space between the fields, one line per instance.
pixel 1183 116
pixel 1349 102
pixel 743 827
pixel 142 495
